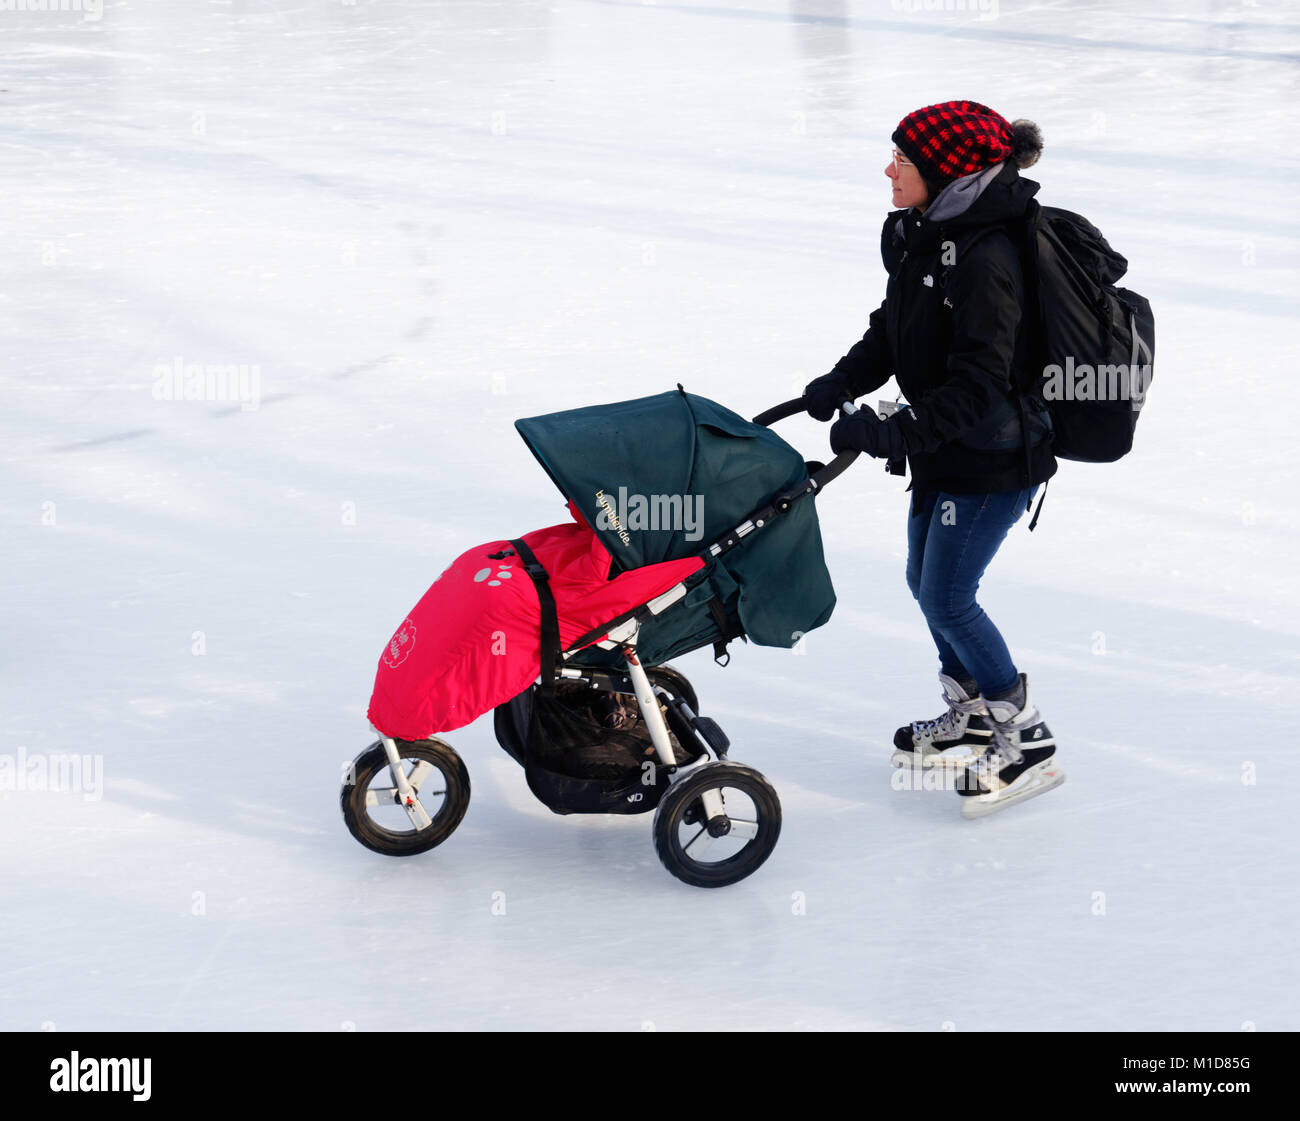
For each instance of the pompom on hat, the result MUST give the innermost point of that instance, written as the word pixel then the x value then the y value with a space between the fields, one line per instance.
pixel 958 138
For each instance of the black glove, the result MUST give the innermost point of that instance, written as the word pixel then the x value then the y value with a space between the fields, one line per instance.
pixel 822 396
pixel 866 432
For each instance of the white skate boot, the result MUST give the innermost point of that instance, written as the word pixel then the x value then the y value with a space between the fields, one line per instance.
pixel 1020 764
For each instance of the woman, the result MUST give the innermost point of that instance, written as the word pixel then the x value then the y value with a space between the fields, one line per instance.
pixel 953 331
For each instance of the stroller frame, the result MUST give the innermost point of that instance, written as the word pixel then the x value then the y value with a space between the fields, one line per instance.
pixel 695 802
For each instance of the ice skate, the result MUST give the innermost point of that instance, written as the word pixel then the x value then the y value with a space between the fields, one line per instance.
pixel 1019 764
pixel 956 739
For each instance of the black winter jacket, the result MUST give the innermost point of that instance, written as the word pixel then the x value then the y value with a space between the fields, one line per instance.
pixel 952 332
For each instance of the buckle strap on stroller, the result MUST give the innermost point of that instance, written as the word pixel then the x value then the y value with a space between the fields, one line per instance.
pixel 550 620
pixel 727 630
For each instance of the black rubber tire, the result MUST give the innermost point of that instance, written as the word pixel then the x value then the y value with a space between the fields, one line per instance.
pixel 410 841
pixel 677 802
pixel 675 682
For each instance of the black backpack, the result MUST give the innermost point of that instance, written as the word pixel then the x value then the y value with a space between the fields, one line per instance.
pixel 1094 344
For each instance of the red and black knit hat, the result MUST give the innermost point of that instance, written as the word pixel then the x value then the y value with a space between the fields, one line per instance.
pixel 953 139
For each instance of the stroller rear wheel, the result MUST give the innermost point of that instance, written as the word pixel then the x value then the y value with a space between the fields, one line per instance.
pixel 717 824
pixel 373 810
pixel 672 679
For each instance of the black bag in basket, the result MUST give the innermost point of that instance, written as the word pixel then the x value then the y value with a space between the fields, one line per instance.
pixel 574 760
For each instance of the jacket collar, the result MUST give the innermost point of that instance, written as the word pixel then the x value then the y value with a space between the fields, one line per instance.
pixel 996 194
pixel 959 196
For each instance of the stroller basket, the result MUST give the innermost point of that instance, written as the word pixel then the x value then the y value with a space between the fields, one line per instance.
pixel 585 749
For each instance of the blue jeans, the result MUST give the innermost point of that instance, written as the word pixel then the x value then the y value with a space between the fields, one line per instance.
pixel 950 542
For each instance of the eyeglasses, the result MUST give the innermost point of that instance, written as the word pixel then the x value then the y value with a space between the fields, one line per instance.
pixel 899 162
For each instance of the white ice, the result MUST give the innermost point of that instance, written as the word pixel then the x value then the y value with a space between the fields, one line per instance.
pixel 421 221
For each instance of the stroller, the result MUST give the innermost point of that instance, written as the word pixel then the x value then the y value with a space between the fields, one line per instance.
pixel 689 530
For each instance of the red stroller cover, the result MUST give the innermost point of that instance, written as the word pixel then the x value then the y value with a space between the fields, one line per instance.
pixel 474 641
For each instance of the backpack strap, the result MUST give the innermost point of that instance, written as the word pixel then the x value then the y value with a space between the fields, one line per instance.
pixel 1041 499
pixel 1025 238
pixel 1024 441
pixel 1020 236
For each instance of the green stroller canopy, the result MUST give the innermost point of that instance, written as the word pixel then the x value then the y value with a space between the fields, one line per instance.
pixel 662 478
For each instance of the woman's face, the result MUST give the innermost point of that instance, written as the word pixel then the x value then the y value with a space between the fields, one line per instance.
pixel 909 187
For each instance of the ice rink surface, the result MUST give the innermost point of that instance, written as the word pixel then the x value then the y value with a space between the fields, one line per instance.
pixel 419 221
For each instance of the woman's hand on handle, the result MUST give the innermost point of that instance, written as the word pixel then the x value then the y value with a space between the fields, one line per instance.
pixel 864 431
pixel 826 473
pixel 824 395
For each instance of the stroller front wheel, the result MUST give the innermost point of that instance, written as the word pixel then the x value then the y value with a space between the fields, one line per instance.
pixel 374 813
pixel 717 824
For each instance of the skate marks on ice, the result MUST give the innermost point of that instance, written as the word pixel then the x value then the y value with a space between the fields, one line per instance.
pixel 996 33
pixel 418 330
pixel 114 438
pixel 364 367
pixel 1227 772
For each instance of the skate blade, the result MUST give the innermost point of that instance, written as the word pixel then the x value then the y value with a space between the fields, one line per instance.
pixel 1038 780
pixel 915 762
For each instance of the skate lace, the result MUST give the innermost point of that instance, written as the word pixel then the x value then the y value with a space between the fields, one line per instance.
pixel 1001 752
pixel 931 729
pixel 946 725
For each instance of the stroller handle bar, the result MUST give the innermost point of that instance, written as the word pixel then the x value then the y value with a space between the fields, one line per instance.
pixel 838 465
pixel 782 503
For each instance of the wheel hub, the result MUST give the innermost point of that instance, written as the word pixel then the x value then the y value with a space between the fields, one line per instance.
pixel 719 826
